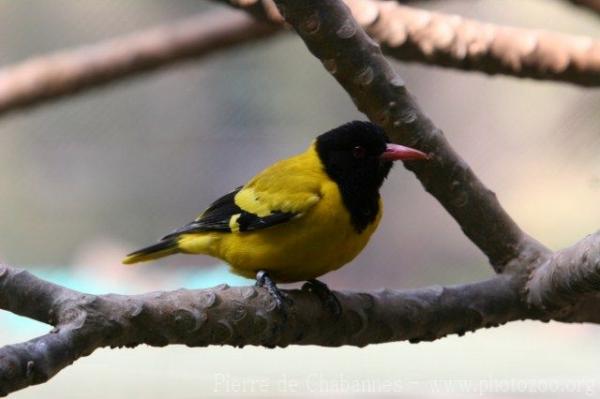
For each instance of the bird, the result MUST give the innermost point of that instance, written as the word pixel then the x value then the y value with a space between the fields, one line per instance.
pixel 299 218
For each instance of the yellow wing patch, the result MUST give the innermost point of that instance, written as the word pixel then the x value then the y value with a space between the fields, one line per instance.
pixel 264 203
pixel 233 223
pixel 293 185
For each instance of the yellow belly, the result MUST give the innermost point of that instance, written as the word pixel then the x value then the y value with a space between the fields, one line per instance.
pixel 318 242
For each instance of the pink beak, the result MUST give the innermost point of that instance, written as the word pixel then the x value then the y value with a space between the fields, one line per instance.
pixel 395 152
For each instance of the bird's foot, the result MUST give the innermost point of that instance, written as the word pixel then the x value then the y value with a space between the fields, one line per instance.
pixel 282 301
pixel 328 298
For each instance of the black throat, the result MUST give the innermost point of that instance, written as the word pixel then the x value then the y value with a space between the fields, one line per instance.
pixel 359 189
pixel 362 203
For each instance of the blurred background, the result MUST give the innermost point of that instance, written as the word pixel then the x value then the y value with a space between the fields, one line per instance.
pixel 85 180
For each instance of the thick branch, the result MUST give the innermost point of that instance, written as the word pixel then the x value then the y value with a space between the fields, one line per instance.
pixel 332 35
pixel 36 361
pixel 568 276
pixel 50 77
pixel 452 41
pixel 26 295
pixel 410 34
pixel 238 317
pixel 247 315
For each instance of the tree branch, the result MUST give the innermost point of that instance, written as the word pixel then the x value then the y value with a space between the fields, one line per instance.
pixel 240 316
pixel 534 284
pixel 410 34
pixel 568 275
pixel 452 41
pixel 346 51
pixel 235 316
pixel 36 361
pixel 403 32
pixel 43 79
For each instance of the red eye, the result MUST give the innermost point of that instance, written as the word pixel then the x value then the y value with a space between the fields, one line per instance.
pixel 359 152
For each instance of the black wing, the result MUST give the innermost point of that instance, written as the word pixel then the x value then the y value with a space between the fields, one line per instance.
pixel 219 216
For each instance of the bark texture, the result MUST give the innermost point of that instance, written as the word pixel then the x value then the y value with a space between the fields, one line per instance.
pixel 410 34
pixel 233 316
pixel 452 41
pixel 567 275
pixel 240 316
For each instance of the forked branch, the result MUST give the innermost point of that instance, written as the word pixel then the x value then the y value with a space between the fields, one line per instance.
pixel 533 283
pixel 348 53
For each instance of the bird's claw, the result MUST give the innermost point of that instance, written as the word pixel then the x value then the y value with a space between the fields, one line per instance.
pixel 282 301
pixel 327 298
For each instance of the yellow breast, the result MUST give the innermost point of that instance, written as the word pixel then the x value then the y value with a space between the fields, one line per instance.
pixel 321 241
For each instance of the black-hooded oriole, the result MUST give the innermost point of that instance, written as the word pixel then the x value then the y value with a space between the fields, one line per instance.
pixel 299 218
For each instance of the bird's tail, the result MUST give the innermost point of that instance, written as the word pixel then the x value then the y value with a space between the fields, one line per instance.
pixel 163 248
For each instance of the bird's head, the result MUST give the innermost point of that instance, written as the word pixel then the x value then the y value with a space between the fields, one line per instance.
pixel 359 154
